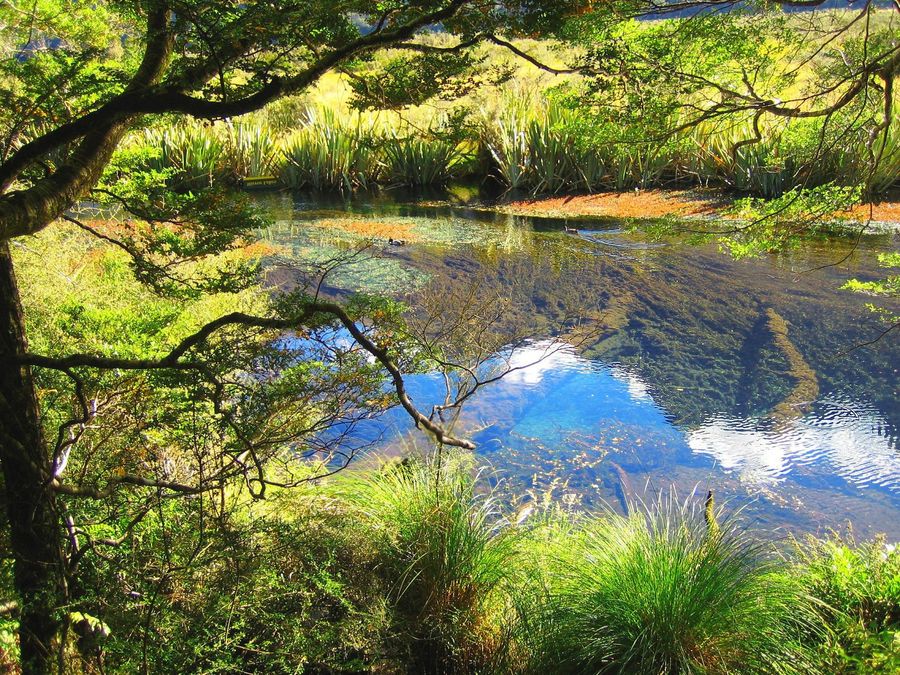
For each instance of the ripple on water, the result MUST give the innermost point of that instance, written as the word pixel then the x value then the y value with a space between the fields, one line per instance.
pixel 840 437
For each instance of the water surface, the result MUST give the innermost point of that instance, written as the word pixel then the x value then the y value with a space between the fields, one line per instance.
pixel 700 372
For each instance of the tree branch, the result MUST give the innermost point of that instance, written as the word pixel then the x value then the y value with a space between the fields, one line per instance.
pixel 30 210
pixel 174 359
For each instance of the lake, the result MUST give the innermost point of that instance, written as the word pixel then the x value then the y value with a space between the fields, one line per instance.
pixel 691 371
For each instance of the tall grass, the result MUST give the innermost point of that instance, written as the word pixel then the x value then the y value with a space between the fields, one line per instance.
pixel 252 150
pixel 447 559
pixel 421 161
pixel 194 151
pixel 662 592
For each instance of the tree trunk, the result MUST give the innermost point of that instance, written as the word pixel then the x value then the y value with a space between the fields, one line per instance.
pixel 34 523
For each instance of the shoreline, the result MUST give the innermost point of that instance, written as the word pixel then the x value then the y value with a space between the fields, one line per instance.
pixel 687 204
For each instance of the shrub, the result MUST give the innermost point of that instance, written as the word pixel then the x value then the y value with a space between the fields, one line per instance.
pixel 421 161
pixel 858 586
pixel 196 153
pixel 331 153
pixel 272 594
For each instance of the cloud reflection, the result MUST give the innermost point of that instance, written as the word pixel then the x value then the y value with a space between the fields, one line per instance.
pixel 844 438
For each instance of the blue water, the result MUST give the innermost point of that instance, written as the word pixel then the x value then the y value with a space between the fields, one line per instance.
pixel 685 390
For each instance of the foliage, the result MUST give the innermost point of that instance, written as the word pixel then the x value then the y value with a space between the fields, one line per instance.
pixel 858 586
pixel 243 590
pixel 401 82
pixel 784 222
pixel 330 153
pixel 889 286
pixel 446 559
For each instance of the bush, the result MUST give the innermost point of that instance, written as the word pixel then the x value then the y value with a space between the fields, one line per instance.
pixel 273 593
pixel 446 560
pixel 331 153
pixel 858 586
pixel 421 161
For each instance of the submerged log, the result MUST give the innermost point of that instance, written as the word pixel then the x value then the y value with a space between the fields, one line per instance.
pixel 806 387
pixel 621 487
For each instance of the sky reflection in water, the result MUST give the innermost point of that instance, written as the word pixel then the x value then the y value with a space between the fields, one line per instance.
pixel 577 410
pixel 689 390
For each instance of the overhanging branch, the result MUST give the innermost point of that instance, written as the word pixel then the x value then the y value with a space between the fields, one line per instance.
pixel 175 359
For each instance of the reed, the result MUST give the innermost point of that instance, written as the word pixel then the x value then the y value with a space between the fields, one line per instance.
pixel 196 153
pixel 424 161
pixel 531 144
pixel 252 149
pixel 331 153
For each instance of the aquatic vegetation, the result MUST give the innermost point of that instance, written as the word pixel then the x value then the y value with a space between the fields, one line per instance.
pixel 331 153
pixel 252 150
pixel 194 151
pixel 349 267
pixel 660 591
pixel 421 161
pixel 361 230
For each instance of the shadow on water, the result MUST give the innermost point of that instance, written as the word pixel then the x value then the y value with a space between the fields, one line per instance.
pixel 699 373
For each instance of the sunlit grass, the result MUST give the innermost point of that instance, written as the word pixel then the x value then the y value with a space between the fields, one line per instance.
pixel 447 558
pixel 525 137
pixel 662 592
pixel 421 161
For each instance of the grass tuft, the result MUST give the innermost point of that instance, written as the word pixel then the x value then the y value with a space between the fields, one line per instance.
pixel 447 559
pixel 661 592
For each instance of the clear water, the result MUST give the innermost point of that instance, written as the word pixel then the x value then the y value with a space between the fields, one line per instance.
pixel 688 388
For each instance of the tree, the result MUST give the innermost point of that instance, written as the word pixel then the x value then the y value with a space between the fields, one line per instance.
pixel 823 78
pixel 79 77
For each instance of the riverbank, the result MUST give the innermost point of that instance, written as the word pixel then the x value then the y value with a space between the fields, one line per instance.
pixel 682 203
